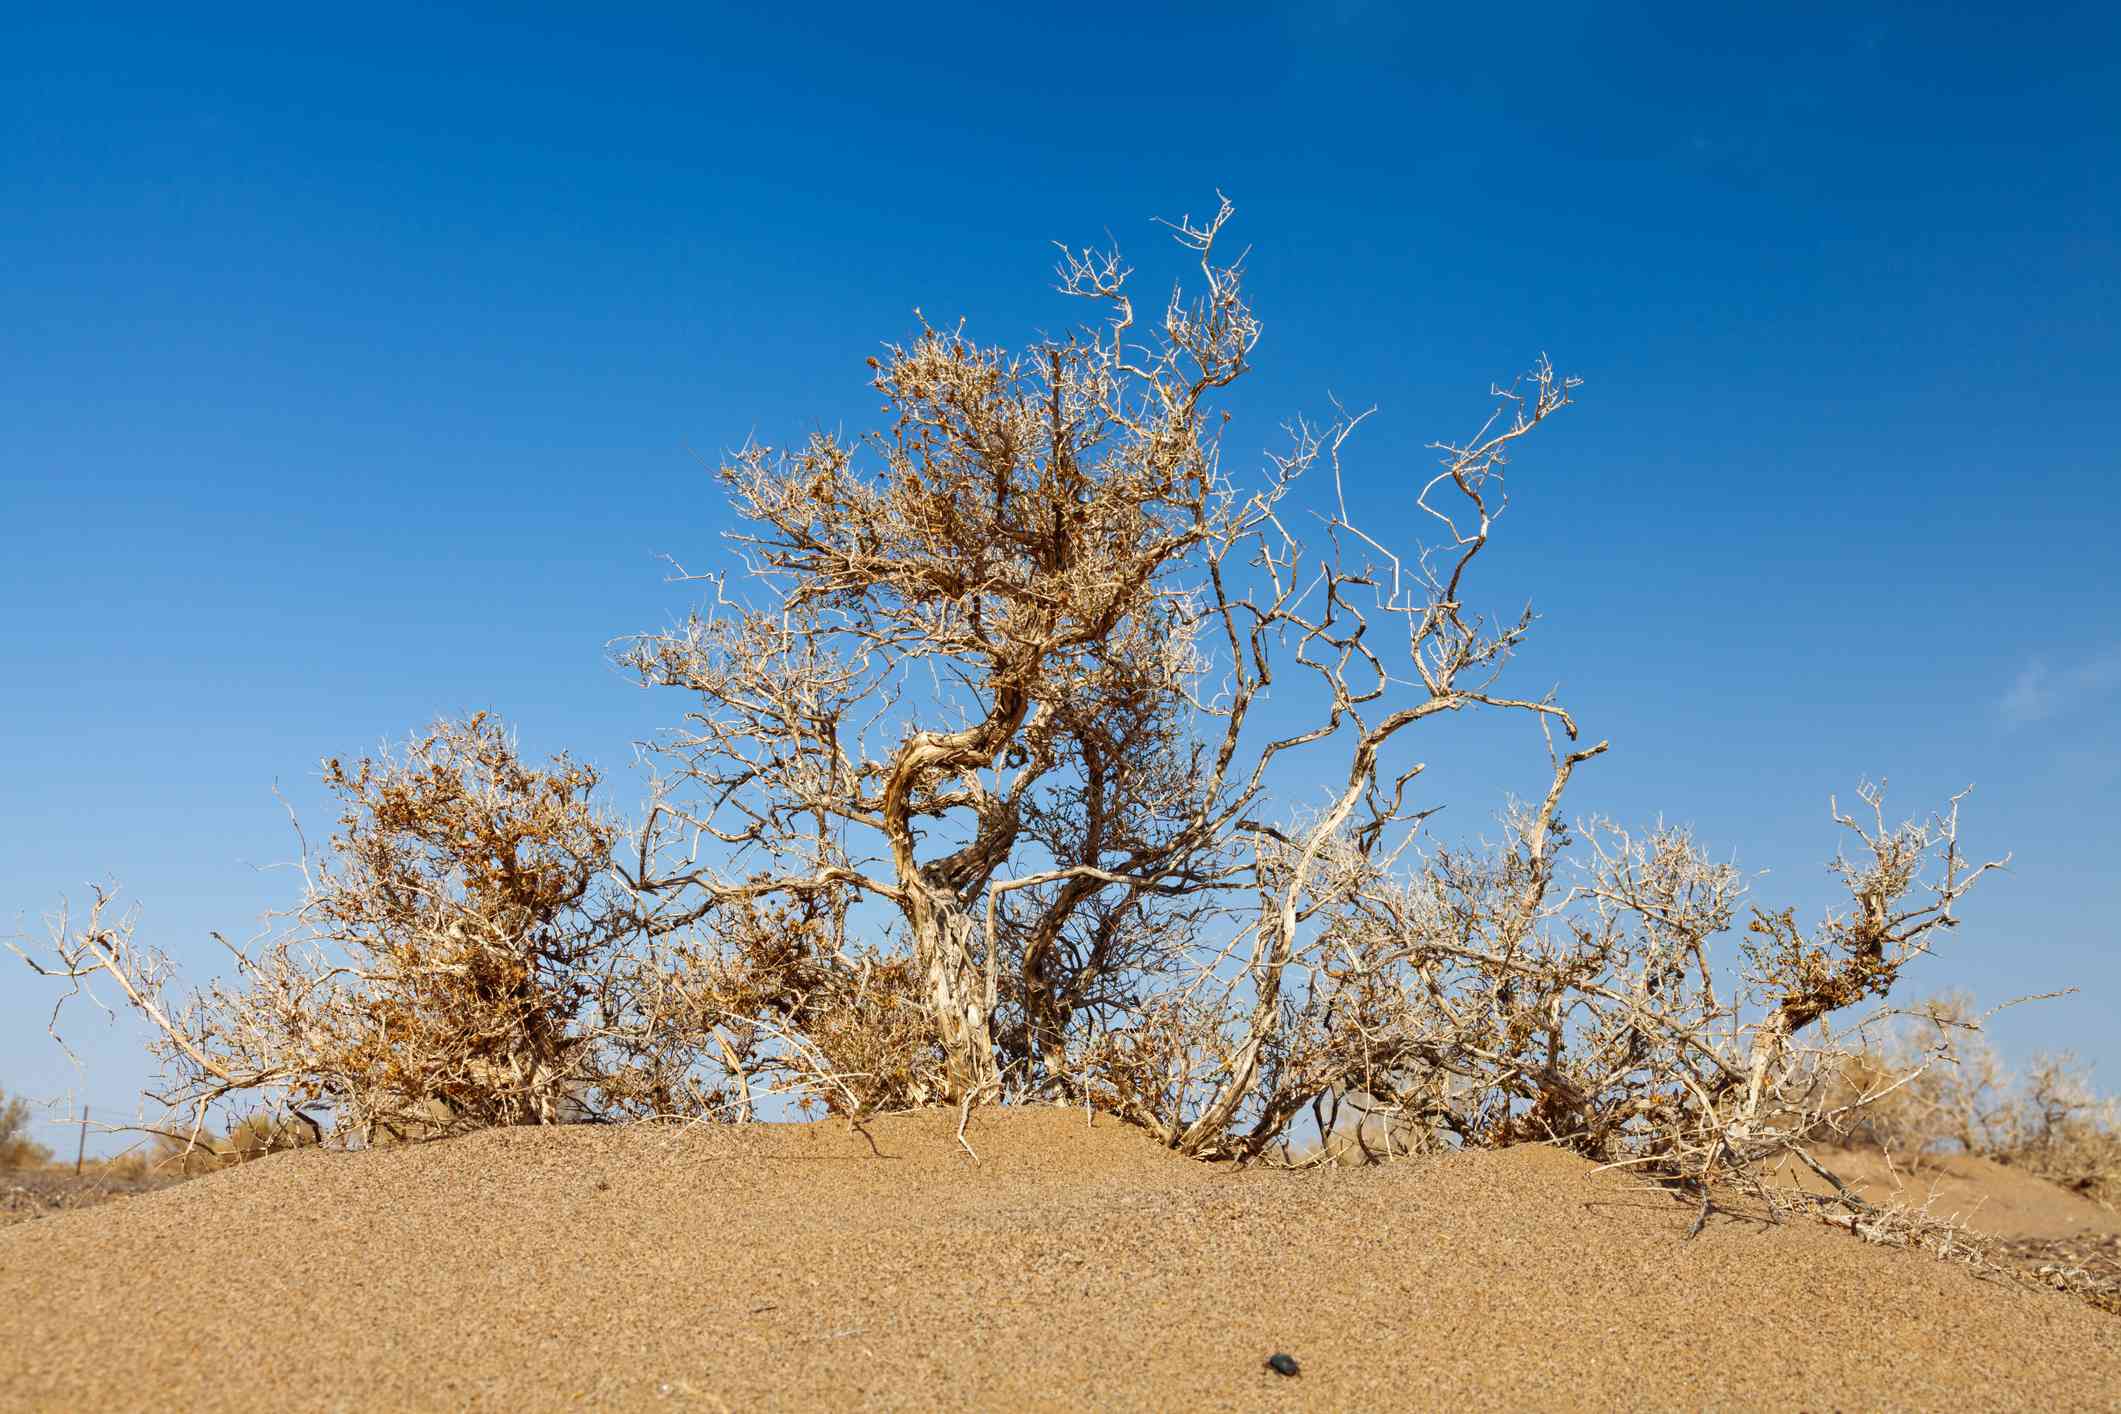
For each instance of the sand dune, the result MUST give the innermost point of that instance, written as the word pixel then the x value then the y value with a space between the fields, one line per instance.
pixel 1979 1192
pixel 793 1267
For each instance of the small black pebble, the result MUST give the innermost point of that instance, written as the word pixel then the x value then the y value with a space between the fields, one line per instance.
pixel 1283 1364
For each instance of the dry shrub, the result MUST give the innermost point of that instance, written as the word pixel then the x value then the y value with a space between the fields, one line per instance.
pixel 258 1135
pixel 2056 1126
pixel 1471 998
pixel 2086 1267
pixel 130 1166
pixel 2084 1158
pixel 1938 1087
pixel 1908 1225
pixel 453 963
pixel 976 798
pixel 184 1155
pixel 160 1156
pixel 17 1149
pixel 164 1156
pixel 187 1155
pixel 992 673
pixel 793 1013
pixel 464 893
pixel 178 1151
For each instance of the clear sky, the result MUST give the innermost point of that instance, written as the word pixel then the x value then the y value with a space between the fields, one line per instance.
pixel 356 366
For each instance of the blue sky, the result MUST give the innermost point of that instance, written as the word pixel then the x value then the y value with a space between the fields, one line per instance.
pixel 356 367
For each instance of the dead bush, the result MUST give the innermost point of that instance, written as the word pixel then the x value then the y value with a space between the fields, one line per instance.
pixel 2056 1125
pixel 185 1155
pixel 130 1166
pixel 258 1135
pixel 1938 1087
pixel 17 1149
pixel 977 796
pixel 2084 1158
pixel 452 965
pixel 991 675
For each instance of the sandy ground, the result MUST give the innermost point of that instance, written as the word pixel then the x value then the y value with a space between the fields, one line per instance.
pixel 803 1267
pixel 1984 1195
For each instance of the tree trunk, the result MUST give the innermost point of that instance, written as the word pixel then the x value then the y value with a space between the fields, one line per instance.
pixel 943 930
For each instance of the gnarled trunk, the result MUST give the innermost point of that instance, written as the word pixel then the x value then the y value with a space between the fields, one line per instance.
pixel 943 931
pixel 932 896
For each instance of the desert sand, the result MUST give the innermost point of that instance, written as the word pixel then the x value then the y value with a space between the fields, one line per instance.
pixel 1982 1194
pixel 1075 1266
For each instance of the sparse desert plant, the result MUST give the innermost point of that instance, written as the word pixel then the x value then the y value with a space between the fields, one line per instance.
pixel 1002 684
pixel 17 1149
pixel 996 674
pixel 258 1135
pixel 1940 1088
pixel 1923 1078
pixel 2084 1157
pixel 131 1164
pixel 2055 1124
pixel 448 968
pixel 185 1155
pixel 182 1152
pixel 1030 753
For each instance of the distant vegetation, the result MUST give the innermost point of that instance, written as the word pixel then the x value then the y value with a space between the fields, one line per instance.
pixel 163 1153
pixel 1937 1088
pixel 17 1149
pixel 1029 754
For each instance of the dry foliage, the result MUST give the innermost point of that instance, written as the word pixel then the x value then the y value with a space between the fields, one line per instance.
pixel 2052 1123
pixel 452 965
pixel 1029 752
pixel 17 1149
pixel 1001 685
pixel 2048 1120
